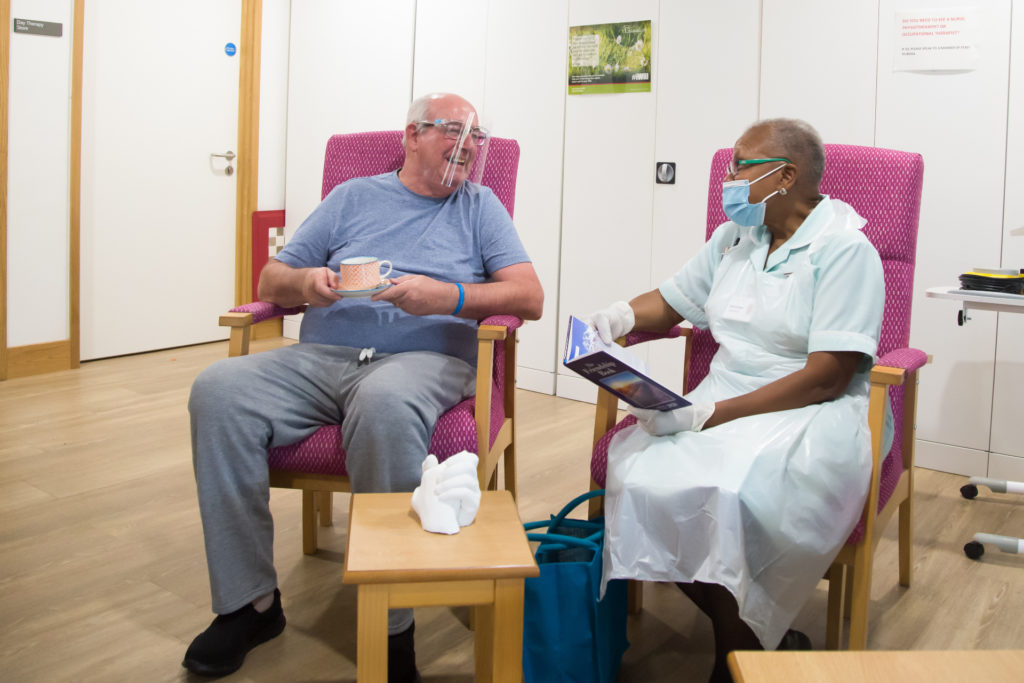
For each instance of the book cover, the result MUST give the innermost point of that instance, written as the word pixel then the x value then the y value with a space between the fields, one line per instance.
pixel 613 368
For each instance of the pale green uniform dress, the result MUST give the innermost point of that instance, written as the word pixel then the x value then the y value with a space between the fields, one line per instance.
pixel 760 504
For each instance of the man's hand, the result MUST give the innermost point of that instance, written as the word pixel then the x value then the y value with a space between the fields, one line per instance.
pixel 420 295
pixel 317 284
pixel 662 422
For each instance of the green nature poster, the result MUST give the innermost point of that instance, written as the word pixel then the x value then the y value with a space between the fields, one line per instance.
pixel 610 58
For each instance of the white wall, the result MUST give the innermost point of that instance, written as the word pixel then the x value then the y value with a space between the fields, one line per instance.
pixel 698 112
pixel 275 34
pixel 346 73
pixel 37 184
pixel 607 188
pixel 1006 444
pixel 524 97
pixel 964 146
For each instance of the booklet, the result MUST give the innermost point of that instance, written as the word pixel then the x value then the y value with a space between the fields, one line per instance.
pixel 612 367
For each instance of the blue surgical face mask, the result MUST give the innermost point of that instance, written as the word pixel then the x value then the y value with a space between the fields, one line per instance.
pixel 736 201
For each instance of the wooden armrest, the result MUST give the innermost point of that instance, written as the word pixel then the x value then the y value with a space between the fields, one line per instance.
pixel 241 329
pixel 881 374
pixel 235 319
pixel 492 332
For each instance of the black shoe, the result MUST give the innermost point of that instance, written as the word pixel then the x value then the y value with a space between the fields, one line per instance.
pixel 221 648
pixel 795 640
pixel 402 657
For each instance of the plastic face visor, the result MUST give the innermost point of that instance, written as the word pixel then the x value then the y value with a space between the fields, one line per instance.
pixel 466 135
pixel 454 130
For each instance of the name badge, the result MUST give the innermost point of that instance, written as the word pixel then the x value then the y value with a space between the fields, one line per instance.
pixel 740 308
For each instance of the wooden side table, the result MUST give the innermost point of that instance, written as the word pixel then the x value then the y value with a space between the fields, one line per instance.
pixel 878 666
pixel 397 564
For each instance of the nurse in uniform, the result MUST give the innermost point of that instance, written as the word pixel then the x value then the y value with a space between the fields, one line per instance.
pixel 744 497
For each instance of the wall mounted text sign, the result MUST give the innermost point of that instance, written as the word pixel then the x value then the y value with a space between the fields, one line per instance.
pixel 39 28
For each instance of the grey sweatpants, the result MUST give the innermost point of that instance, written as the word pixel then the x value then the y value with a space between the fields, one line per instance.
pixel 240 407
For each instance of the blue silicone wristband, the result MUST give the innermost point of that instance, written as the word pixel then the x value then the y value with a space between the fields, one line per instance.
pixel 462 298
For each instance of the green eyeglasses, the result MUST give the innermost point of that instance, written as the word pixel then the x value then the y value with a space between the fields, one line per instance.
pixel 453 129
pixel 735 166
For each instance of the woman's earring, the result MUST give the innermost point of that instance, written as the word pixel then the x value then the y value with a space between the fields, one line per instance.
pixel 782 191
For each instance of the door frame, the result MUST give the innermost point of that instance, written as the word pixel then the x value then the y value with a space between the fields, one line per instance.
pixel 66 354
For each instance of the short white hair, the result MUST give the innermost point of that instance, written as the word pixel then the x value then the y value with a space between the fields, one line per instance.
pixel 419 107
pixel 419 110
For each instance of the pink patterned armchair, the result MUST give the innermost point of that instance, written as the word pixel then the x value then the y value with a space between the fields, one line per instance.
pixel 884 186
pixel 484 424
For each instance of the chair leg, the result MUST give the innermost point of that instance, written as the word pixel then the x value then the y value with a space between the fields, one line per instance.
pixel 635 596
pixel 834 615
pixel 859 598
pixel 510 471
pixel 847 590
pixel 906 545
pixel 308 522
pixel 325 505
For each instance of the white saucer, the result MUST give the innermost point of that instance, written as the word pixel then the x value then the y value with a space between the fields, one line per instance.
pixel 356 293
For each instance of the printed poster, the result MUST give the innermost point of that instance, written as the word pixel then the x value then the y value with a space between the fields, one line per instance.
pixel 936 40
pixel 610 58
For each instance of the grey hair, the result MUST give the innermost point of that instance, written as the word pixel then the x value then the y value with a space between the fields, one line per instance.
pixel 419 109
pixel 799 142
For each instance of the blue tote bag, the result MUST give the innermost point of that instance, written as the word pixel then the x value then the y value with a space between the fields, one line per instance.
pixel 568 634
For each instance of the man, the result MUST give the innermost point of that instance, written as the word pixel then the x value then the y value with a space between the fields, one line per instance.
pixel 384 367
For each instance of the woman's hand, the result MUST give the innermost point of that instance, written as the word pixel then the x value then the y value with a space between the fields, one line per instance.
pixel 612 322
pixel 662 422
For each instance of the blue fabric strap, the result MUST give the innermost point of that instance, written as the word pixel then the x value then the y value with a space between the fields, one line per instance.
pixel 462 298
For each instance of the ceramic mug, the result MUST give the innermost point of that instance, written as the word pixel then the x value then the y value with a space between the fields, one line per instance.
pixel 362 272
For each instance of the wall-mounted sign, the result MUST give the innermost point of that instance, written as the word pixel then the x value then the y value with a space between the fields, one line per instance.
pixel 230 49
pixel 936 40
pixel 39 28
pixel 610 58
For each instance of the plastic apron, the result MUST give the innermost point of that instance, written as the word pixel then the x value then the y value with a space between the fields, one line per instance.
pixel 761 504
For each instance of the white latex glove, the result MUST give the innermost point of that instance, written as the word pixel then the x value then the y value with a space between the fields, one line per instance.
pixel 662 422
pixel 612 322
pixel 449 493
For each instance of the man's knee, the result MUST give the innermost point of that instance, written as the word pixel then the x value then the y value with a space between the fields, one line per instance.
pixel 212 387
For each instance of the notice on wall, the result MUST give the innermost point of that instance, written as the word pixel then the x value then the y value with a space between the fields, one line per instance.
pixel 610 58
pixel 936 40
pixel 38 28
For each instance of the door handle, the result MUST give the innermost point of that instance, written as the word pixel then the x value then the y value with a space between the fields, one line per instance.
pixel 229 155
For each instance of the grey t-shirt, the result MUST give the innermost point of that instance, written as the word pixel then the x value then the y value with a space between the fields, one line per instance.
pixel 464 237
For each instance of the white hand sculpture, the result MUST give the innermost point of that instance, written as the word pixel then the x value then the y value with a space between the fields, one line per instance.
pixel 612 322
pixel 461 486
pixel 662 422
pixel 449 493
pixel 435 516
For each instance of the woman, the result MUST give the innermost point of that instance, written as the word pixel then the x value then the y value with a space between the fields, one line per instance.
pixel 745 496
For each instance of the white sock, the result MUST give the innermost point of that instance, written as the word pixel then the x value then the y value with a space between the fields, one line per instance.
pixel 263 603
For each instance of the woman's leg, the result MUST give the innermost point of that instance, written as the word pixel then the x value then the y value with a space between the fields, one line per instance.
pixel 731 632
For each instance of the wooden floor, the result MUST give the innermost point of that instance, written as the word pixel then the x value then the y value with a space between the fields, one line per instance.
pixel 102 571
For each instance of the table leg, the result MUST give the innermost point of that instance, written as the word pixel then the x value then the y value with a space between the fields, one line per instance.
pixel 483 641
pixel 507 634
pixel 372 634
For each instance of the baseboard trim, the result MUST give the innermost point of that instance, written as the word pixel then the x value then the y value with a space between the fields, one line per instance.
pixel 38 359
